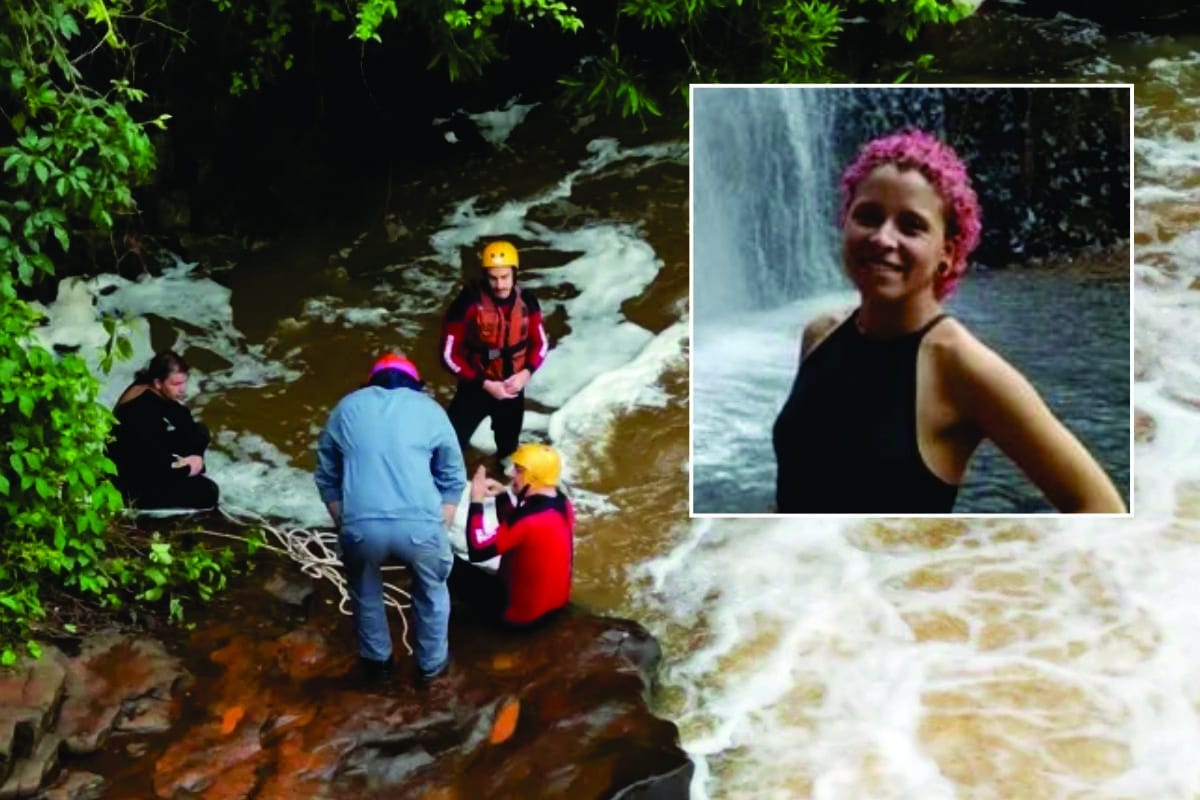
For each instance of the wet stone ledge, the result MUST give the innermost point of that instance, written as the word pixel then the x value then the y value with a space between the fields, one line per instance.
pixel 264 699
pixel 60 705
pixel 558 712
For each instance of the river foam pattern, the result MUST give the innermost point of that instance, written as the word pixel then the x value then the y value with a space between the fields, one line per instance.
pixel 1032 658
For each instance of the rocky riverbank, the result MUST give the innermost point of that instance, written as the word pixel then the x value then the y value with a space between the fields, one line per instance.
pixel 263 699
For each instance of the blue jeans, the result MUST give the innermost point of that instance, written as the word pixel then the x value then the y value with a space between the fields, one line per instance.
pixel 425 550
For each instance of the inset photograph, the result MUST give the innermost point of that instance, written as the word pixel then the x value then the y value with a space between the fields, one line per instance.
pixel 911 300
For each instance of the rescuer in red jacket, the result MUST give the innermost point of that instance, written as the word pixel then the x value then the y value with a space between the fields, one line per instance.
pixel 492 342
pixel 535 538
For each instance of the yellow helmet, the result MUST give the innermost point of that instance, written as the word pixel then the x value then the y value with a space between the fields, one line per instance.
pixel 498 255
pixel 541 465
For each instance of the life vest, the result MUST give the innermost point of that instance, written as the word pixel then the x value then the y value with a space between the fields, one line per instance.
pixel 500 342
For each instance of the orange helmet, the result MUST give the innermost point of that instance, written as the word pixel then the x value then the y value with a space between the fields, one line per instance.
pixel 498 255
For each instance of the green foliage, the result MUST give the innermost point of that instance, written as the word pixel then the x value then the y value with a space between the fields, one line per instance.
pixel 466 36
pixel 610 82
pixel 58 506
pixel 71 154
pixel 195 570
pixel 56 501
pixel 268 23
pixel 800 35
pixel 768 41
pixel 74 152
pixel 907 18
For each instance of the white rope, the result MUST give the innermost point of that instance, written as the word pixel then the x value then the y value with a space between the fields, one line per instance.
pixel 316 553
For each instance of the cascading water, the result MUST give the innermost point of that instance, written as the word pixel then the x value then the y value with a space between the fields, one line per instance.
pixel 762 200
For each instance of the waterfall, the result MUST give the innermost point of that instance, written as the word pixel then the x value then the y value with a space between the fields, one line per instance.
pixel 764 177
pixel 1047 163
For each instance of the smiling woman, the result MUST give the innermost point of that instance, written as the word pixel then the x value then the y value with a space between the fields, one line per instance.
pixel 890 404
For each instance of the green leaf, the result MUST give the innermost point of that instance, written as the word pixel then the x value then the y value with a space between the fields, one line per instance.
pixel 160 553
pixel 68 26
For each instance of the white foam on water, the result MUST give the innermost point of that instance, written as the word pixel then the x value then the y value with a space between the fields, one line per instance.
pixel 980 658
pixel 615 265
pixel 331 310
pixel 497 125
pixel 585 416
pixel 619 362
pixel 201 309
pixel 74 321
pixel 254 475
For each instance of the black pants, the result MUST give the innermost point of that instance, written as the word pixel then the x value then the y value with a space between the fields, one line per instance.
pixel 177 492
pixel 485 597
pixel 480 591
pixel 472 403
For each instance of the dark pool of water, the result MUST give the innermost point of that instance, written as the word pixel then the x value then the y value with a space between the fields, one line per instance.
pixel 1067 333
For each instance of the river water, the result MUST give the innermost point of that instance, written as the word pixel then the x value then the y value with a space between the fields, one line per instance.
pixel 935 659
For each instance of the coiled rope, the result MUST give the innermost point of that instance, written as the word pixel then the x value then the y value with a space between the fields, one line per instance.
pixel 315 551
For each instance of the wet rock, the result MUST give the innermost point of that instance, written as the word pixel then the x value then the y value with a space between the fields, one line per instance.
pixel 206 756
pixel 30 694
pixel 292 587
pixel 302 654
pixel 75 786
pixel 28 773
pixel 117 683
pixel 557 712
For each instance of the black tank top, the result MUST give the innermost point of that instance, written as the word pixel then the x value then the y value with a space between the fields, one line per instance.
pixel 846 439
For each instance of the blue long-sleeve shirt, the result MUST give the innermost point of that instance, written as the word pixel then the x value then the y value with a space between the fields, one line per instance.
pixel 389 454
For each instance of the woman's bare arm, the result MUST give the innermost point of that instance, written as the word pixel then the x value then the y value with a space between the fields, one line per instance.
pixel 1005 407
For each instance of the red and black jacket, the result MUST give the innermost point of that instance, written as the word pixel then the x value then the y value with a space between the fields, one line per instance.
pixel 483 337
pixel 535 542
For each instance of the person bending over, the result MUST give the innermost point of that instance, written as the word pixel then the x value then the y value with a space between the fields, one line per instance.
pixel 390 472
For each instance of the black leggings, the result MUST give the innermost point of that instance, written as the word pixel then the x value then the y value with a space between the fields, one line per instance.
pixel 472 403
pixel 181 492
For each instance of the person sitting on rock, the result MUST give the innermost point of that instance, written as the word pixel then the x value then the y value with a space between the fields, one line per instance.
pixel 158 447
pixel 535 538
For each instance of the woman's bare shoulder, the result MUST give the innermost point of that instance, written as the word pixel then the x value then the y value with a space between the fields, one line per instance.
pixel 968 363
pixel 819 328
pixel 953 345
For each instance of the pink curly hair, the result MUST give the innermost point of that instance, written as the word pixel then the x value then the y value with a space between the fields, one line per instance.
pixel 915 149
